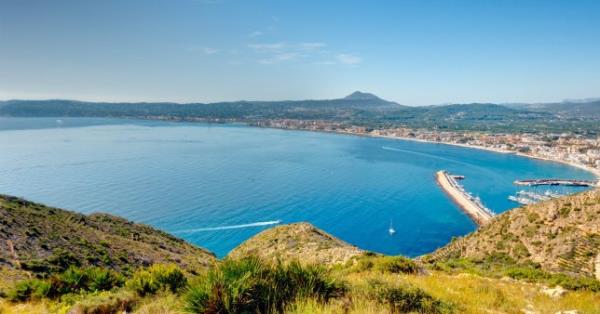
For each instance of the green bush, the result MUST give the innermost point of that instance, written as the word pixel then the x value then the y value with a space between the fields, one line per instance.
pixel 21 291
pixel 391 264
pixel 251 286
pixel 408 299
pixel 535 274
pixel 99 279
pixel 575 283
pixel 156 278
pixel 73 280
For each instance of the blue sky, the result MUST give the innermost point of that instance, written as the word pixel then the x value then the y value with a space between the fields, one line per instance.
pixel 412 52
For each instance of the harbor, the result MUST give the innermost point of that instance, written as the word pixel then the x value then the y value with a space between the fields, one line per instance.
pixel 470 204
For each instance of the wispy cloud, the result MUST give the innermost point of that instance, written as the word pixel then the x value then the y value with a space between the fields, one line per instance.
pixel 314 52
pixel 204 50
pixel 267 47
pixel 312 46
pixel 281 57
pixel 255 34
pixel 210 51
pixel 345 58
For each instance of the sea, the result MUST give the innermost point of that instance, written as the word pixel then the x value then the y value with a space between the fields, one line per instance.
pixel 216 185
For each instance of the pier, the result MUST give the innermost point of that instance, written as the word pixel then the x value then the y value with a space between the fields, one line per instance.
pixel 563 182
pixel 471 205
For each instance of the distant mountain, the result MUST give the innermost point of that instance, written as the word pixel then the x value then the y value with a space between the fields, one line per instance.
pixel 221 110
pixel 358 95
pixel 358 108
pixel 584 108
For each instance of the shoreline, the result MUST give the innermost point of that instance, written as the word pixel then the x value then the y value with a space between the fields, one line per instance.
pixel 475 212
pixel 595 172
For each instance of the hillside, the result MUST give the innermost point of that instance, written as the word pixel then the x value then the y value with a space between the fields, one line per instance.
pixel 560 235
pixel 47 240
pixel 299 241
pixel 589 108
pixel 44 240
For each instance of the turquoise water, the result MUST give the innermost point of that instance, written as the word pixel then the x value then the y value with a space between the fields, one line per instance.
pixel 217 185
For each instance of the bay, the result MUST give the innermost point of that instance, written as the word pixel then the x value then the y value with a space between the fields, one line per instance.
pixel 218 185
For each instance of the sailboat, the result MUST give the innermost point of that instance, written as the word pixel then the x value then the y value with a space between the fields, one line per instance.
pixel 391 230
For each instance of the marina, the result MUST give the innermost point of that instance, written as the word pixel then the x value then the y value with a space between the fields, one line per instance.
pixel 470 204
pixel 563 182
pixel 524 197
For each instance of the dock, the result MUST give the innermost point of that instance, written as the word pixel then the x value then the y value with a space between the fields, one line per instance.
pixel 563 182
pixel 471 205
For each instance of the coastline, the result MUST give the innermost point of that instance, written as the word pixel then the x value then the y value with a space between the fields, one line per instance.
pixel 595 172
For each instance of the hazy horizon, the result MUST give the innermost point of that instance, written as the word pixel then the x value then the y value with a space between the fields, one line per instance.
pixel 588 99
pixel 412 53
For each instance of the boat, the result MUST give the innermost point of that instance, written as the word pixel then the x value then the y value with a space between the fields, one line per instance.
pixel 552 194
pixel 391 230
pixel 533 196
pixel 521 200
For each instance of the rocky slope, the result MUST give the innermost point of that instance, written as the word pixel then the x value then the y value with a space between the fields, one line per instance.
pixel 561 235
pixel 42 239
pixel 299 241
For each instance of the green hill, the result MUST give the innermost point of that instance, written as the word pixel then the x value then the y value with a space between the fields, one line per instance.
pixel 42 240
pixel 300 241
pixel 560 235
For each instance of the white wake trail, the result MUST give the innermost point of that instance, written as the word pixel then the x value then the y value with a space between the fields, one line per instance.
pixel 250 225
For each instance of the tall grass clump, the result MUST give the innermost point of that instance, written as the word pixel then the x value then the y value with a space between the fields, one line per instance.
pixel 407 299
pixel 157 277
pixel 249 285
pixel 72 280
pixel 384 264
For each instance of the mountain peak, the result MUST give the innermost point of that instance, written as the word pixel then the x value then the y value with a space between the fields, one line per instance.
pixel 358 95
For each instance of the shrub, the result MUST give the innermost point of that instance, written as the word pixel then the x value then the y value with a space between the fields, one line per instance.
pixel 535 274
pixel 391 264
pixel 99 279
pixel 575 283
pixel 21 291
pixel 157 277
pixel 70 281
pixel 397 264
pixel 106 302
pixel 407 299
pixel 251 286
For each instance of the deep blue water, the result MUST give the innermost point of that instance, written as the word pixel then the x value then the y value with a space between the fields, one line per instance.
pixel 193 179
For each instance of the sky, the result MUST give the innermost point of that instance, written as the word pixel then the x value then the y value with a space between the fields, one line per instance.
pixel 411 52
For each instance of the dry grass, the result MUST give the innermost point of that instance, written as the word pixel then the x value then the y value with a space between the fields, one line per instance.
pixel 474 294
pixel 466 293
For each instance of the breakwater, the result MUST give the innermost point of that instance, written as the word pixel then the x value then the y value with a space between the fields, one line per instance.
pixel 471 205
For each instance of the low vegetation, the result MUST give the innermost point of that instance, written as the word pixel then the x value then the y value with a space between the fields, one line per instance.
pixel 40 240
pixel 73 280
pixel 249 285
pixel 301 270
pixel 560 236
